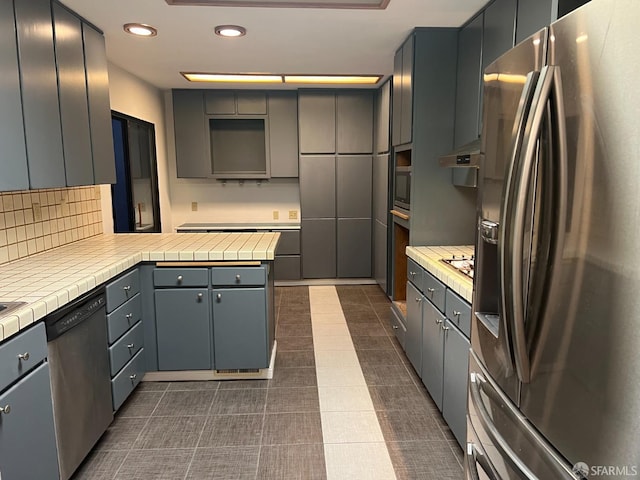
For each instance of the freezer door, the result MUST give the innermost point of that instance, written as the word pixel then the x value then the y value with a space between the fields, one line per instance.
pixel 509 85
pixel 501 444
pixel 584 388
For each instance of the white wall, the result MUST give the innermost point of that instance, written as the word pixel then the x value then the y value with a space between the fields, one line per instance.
pixel 236 202
pixel 135 97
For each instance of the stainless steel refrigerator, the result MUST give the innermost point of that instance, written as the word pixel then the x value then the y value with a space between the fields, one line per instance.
pixel 554 387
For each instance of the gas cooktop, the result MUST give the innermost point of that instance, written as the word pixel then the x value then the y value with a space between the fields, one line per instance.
pixel 462 263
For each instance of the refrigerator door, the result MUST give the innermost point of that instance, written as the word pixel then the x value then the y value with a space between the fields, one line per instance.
pixel 584 389
pixel 501 444
pixel 509 85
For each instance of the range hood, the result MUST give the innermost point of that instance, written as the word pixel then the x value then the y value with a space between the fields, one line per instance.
pixel 467 155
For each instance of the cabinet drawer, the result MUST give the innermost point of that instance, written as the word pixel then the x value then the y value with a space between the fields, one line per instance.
pixel 124 317
pixel 128 378
pixel 31 345
pixel 459 312
pixel 124 349
pixel 229 276
pixel 414 274
pixel 122 290
pixel 433 289
pixel 289 243
pixel 398 328
pixel 180 277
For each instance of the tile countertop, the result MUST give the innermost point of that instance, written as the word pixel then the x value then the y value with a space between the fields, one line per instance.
pixel 238 226
pixel 429 258
pixel 52 279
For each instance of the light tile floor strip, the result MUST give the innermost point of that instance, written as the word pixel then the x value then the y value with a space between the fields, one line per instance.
pixel 353 443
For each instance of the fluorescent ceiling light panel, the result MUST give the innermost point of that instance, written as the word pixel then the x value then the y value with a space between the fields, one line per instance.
pixel 333 79
pixel 366 4
pixel 231 78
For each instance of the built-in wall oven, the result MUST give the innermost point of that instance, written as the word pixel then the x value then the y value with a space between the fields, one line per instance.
pixel 402 187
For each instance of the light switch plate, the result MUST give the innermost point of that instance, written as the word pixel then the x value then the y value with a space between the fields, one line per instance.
pixel 276 214
pixel 293 214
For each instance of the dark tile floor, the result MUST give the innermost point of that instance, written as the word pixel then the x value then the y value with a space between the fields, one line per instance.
pixel 271 429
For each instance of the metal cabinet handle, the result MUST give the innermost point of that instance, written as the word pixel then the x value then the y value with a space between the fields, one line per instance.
pixel 200 296
pixel 418 300
pixel 238 278
pixel 179 278
pixel 126 288
pixel 24 356
pixel 444 327
pixel 133 376
pixel 219 296
pixel 6 409
pixel 131 345
pixel 129 316
pixel 413 274
pixel 431 290
pixel 438 321
pixel 395 327
pixel 456 314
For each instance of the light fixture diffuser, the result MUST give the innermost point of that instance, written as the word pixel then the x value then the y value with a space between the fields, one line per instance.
pixel 333 79
pixel 230 31
pixel 231 78
pixel 140 29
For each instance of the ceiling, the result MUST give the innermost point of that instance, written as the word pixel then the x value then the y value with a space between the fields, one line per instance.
pixel 278 40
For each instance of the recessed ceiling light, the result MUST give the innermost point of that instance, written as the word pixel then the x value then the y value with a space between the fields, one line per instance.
pixel 233 78
pixel 230 31
pixel 334 79
pixel 140 29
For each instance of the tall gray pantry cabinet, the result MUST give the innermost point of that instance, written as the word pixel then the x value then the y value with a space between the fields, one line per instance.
pixel 336 168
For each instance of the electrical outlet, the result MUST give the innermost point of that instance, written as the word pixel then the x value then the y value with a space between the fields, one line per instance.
pixel 37 212
pixel 276 214
pixel 293 214
pixel 194 206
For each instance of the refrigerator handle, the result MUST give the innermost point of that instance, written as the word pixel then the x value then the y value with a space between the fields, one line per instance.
pixel 475 457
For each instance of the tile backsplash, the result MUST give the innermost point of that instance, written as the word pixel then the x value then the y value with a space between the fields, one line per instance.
pixel 34 221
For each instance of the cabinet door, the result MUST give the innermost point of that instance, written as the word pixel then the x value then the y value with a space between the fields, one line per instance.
pixel 95 59
pixel 354 120
pixel 317 186
pixel 14 174
pixel 499 30
pixel 413 338
pixel 382 115
pixel 40 94
pixel 319 248
pixel 72 90
pixel 251 103
pixel 183 329
pixel 219 103
pixel 532 16
pixel 456 373
pixel 240 328
pixel 354 247
pixel 353 184
pixel 396 117
pixel 380 192
pixel 380 254
pixel 27 435
pixel 317 122
pixel 406 124
pixel 191 134
pixel 432 351
pixel 468 82
pixel 283 133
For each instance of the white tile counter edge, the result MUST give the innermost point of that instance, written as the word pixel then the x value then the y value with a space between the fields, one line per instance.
pixel 52 279
pixel 430 258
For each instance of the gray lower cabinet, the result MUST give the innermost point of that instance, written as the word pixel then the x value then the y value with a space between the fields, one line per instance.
pixel 354 121
pixel 283 133
pixel 14 173
pixel 319 248
pixel 456 373
pixel 318 186
pixel 27 434
pixel 433 351
pixel 240 328
pixel 354 248
pixel 380 254
pixel 183 329
pixel 317 122
pixel 413 341
pixel 287 264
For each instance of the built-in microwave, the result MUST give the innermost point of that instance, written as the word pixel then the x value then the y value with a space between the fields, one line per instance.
pixel 402 188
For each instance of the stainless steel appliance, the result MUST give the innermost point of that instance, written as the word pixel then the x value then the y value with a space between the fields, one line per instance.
pixel 80 378
pixel 554 388
pixel 461 263
pixel 402 187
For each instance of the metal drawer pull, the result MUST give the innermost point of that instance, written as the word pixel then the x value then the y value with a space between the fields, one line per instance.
pixel 6 409
pixel 418 300
pixel 438 321
pixel 413 274
pixel 24 356
pixel 238 278
pixel 219 296
pixel 456 314
pixel 126 288
pixel 129 316
pixel 431 290
pixel 445 328
pixel 133 376
pixel 199 296
pixel 179 278
pixel 395 327
pixel 131 345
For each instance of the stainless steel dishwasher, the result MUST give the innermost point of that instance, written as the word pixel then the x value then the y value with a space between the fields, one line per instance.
pixel 80 377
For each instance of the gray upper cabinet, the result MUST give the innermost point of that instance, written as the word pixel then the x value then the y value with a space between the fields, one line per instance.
pixel 317 122
pixel 40 94
pixel 219 103
pixel 72 90
pixel 499 30
pixel 402 123
pixel 382 116
pixel 467 124
pixel 353 186
pixel 14 174
pixel 251 103
pixel 191 134
pixel 227 102
pixel 283 130
pixel 354 117
pixel 536 14
pixel 95 58
pixel 317 186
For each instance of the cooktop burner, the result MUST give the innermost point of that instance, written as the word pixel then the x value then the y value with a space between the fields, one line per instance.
pixel 462 263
